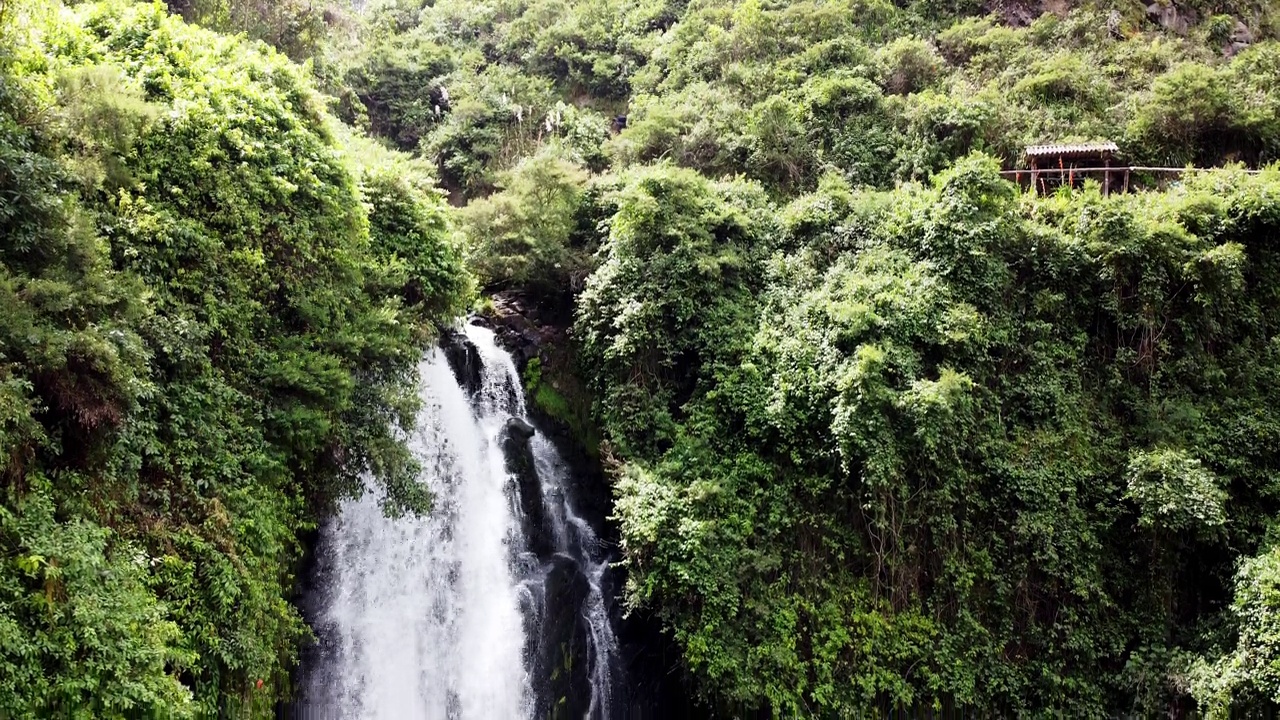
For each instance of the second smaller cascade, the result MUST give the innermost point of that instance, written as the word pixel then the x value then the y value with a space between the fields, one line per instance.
pixel 572 652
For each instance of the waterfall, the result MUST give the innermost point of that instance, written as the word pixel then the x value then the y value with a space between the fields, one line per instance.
pixel 489 607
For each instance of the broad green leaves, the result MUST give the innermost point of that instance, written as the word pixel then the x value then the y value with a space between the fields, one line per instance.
pixel 1174 492
pixel 523 235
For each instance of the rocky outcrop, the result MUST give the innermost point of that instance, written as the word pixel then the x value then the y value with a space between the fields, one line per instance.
pixel 518 454
pixel 1170 17
pixel 520 326
pixel 464 360
pixel 1241 37
pixel 562 656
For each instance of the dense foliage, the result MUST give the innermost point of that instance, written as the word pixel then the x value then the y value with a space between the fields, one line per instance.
pixel 527 234
pixel 787 92
pixel 209 319
pixel 886 432
pixel 966 448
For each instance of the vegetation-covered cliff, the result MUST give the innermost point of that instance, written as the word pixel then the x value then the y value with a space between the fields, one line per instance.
pixel 946 444
pixel 883 429
pixel 209 317
pixel 888 432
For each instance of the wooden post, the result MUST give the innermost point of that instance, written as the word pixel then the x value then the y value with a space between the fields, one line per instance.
pixel 1126 181
pixel 1035 175
pixel 1106 176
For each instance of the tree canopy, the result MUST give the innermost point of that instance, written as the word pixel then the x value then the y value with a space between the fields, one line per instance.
pixel 884 430
pixel 210 319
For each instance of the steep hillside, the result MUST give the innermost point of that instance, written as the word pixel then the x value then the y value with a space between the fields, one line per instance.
pixel 885 431
pixel 209 318
pixel 785 92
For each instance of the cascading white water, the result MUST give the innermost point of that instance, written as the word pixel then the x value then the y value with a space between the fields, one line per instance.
pixel 431 617
pixel 575 538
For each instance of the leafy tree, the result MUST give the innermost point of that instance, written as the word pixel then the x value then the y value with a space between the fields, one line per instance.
pixel 206 339
pixel 908 65
pixel 1248 675
pixel 672 288
pixel 523 235
pixel 1190 106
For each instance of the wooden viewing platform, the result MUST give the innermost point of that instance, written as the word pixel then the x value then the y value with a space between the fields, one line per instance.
pixel 1019 176
pixel 1055 166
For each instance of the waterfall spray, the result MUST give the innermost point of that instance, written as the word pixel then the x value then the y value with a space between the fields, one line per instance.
pixel 470 612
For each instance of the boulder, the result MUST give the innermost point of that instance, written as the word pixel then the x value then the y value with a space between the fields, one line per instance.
pixel 535 524
pixel 464 360
pixel 1170 17
pixel 520 428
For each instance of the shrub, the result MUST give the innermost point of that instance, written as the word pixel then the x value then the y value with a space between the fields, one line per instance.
pixel 1174 492
pixel 1189 107
pixel 672 286
pixel 402 88
pixel 1247 676
pixel 908 65
pixel 521 237
pixel 1064 78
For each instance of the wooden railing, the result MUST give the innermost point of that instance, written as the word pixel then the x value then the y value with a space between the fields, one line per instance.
pixel 1118 173
pixel 1114 169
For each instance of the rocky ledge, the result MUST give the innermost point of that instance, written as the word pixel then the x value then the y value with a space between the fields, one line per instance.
pixel 521 326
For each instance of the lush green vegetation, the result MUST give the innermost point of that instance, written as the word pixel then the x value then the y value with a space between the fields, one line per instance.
pixel 948 444
pixel 887 432
pixel 884 430
pixel 210 312
pixel 787 92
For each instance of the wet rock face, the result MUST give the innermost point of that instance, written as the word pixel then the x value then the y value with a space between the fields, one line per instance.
pixel 562 656
pixel 519 326
pixel 558 655
pixel 529 331
pixel 464 360
pixel 519 460
pixel 520 428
